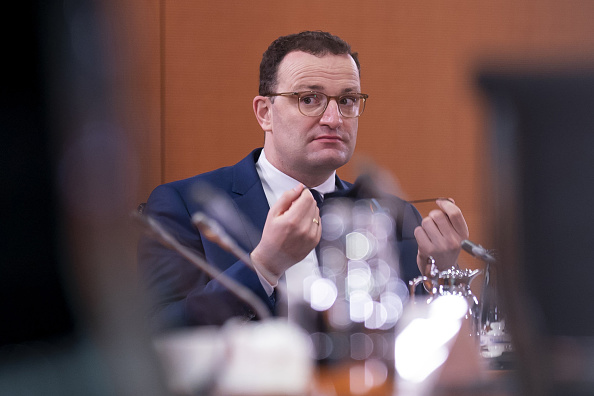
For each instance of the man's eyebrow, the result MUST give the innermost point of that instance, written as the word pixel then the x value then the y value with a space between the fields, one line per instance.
pixel 320 88
pixel 309 87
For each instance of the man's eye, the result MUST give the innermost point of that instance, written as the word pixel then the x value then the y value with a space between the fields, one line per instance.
pixel 310 100
pixel 348 100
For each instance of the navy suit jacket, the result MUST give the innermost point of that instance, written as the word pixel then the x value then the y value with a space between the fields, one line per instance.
pixel 184 295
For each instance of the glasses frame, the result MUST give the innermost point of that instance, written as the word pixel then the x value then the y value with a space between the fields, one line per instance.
pixel 336 98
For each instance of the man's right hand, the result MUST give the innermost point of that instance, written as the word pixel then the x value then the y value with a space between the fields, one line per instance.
pixel 289 234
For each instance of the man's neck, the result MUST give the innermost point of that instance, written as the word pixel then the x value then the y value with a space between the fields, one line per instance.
pixel 308 179
pixel 311 181
pixel 274 173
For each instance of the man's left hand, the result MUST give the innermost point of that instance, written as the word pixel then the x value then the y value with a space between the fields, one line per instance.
pixel 440 235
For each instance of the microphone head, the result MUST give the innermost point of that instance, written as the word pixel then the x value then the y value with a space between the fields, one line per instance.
pixel 477 251
pixel 218 206
pixel 467 246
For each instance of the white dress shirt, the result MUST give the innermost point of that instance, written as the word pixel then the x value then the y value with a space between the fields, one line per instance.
pixel 275 183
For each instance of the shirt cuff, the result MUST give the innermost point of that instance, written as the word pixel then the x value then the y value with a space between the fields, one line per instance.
pixel 268 288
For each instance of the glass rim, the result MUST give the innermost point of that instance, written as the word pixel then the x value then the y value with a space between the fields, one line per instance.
pixel 328 98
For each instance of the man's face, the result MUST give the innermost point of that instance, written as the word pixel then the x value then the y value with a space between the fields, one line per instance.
pixel 310 148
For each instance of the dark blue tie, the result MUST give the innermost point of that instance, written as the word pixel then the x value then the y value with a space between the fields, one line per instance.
pixel 319 199
pixel 317 196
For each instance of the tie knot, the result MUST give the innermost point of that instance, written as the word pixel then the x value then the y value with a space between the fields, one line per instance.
pixel 317 196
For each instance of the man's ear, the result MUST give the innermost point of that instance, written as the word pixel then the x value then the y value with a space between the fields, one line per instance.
pixel 263 112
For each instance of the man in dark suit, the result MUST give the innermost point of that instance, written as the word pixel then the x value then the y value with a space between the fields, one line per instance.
pixel 308 106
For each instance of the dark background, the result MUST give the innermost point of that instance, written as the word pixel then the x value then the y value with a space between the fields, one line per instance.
pixel 33 296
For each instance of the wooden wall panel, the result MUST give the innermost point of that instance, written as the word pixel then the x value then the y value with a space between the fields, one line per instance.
pixel 132 44
pixel 425 121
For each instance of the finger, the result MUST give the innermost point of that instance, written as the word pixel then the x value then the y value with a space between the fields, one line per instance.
pixel 441 221
pixel 299 217
pixel 445 199
pixel 304 204
pixel 431 230
pixel 423 262
pixel 286 200
pixel 423 240
pixel 455 217
pixel 318 225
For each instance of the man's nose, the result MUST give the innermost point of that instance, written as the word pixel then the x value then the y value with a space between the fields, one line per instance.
pixel 331 116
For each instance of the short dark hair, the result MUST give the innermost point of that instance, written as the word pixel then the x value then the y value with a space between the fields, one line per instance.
pixel 313 42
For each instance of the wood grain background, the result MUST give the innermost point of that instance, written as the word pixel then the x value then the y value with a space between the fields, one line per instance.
pixel 188 70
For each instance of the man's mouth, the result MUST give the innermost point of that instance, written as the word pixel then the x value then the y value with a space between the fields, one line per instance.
pixel 330 138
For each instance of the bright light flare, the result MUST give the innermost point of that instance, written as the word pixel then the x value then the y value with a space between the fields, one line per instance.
pixel 423 346
pixel 323 294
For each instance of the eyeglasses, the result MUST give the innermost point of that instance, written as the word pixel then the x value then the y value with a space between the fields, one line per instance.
pixel 416 201
pixel 314 104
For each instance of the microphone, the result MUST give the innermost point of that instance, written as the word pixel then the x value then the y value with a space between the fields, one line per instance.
pixel 222 223
pixel 217 205
pixel 477 251
pixel 167 239
pixel 213 231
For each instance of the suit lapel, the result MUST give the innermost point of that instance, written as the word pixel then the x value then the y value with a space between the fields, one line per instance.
pixel 250 200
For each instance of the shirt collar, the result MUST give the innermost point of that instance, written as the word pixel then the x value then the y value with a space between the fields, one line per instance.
pixel 278 182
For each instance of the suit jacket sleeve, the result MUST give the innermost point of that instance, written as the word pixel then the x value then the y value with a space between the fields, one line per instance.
pixel 182 294
pixel 407 220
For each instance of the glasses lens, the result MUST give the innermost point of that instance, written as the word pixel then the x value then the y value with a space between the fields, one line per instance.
pixel 351 105
pixel 312 103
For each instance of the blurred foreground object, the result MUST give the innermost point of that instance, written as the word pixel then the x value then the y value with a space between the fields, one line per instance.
pixel 495 337
pixel 73 323
pixel 454 282
pixel 271 357
pixel 359 289
pixel 434 349
pixel 543 172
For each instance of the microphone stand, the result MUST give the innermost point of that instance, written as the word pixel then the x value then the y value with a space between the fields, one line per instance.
pixel 481 253
pixel 213 231
pixel 239 290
